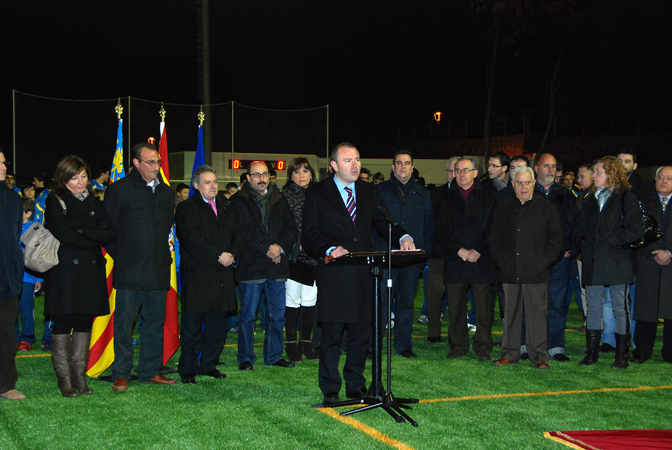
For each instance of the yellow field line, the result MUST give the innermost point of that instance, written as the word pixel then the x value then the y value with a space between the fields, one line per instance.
pixel 366 429
pixel 537 394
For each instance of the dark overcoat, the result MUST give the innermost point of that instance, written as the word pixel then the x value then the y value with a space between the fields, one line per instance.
pixel 461 224
pixel 206 284
pixel 253 264
pixel 143 220
pixel 526 239
pixel 11 257
pixel 654 282
pixel 413 212
pixel 602 234
pixel 345 292
pixel 78 283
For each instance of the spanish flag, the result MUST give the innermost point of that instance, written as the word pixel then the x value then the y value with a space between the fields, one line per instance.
pixel 101 348
pixel 171 333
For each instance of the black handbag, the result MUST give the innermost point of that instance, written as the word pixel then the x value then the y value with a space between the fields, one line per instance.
pixel 651 229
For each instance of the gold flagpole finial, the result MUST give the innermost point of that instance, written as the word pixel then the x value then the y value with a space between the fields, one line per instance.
pixel 119 109
pixel 201 116
pixel 162 113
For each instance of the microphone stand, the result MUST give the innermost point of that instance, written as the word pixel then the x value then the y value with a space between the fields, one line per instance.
pixel 376 397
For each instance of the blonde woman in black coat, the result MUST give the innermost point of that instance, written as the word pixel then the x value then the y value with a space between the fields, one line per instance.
pixel 610 218
pixel 76 288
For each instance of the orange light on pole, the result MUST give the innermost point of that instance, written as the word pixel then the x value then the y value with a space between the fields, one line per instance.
pixel 151 140
pixel 437 116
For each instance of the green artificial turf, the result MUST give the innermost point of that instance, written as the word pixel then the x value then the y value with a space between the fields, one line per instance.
pixel 270 407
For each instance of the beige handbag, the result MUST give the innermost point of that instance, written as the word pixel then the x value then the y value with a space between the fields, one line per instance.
pixel 41 252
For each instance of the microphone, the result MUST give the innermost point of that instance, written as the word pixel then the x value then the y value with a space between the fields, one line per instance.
pixel 388 216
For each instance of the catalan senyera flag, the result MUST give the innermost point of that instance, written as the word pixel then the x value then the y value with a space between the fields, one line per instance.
pixel 101 348
pixel 171 332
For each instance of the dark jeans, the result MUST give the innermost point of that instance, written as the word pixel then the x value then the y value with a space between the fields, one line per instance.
pixel 26 332
pixel 204 333
pixel 355 360
pixel 8 374
pixel 558 306
pixel 128 304
pixel 404 286
pixel 273 338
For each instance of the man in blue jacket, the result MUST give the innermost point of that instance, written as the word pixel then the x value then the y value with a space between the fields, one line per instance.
pixel 409 203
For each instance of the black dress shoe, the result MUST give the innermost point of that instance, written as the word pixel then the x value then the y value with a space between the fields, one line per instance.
pixel 357 394
pixel 408 354
pixel 433 340
pixel 606 348
pixel 189 379
pixel 214 373
pixel 246 365
pixel 561 357
pixel 283 363
pixel 524 356
pixel 638 358
pixel 330 399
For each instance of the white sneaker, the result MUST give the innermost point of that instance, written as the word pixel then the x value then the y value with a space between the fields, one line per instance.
pixel 472 328
pixel 422 319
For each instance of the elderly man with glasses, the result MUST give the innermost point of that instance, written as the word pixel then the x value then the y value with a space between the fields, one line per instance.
pixel 269 235
pixel 141 209
pixel 462 220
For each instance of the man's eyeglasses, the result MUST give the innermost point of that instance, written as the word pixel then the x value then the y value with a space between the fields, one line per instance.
pixel 153 162
pixel 464 171
pixel 259 175
pixel 6 163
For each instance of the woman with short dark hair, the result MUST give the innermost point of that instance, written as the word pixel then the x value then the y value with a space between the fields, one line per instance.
pixel 76 288
pixel 610 218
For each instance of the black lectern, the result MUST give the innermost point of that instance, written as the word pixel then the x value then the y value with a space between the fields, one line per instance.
pixel 377 396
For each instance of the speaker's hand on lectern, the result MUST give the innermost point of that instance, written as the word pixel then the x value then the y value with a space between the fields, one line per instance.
pixel 407 244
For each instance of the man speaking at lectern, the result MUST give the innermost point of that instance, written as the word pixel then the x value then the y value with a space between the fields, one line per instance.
pixel 338 218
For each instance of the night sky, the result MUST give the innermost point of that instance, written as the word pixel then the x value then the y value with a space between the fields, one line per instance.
pixel 378 64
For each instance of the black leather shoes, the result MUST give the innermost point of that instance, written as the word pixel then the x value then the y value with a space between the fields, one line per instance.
pixel 330 399
pixel 283 363
pixel 408 354
pixel 561 357
pixel 189 379
pixel 246 365
pixel 357 394
pixel 214 373
pixel 638 359
pixel 433 340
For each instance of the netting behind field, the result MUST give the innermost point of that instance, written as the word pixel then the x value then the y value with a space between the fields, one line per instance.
pixel 46 129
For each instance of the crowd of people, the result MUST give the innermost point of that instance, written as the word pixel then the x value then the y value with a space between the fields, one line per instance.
pixel 522 233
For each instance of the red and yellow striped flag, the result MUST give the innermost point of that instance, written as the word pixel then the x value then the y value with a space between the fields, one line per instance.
pixel 101 348
pixel 171 331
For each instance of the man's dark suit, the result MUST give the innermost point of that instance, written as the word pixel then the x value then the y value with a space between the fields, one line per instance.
pixel 208 290
pixel 344 292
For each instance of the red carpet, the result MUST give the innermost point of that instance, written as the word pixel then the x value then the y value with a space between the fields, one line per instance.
pixel 614 439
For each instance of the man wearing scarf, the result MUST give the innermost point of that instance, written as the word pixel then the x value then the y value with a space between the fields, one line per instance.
pixel 269 234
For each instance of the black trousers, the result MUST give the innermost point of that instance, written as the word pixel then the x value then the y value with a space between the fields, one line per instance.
pixel 355 361
pixel 457 316
pixel 8 374
pixel 204 333
pixel 645 337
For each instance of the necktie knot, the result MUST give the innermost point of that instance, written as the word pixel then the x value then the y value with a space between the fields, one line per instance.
pixel 212 205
